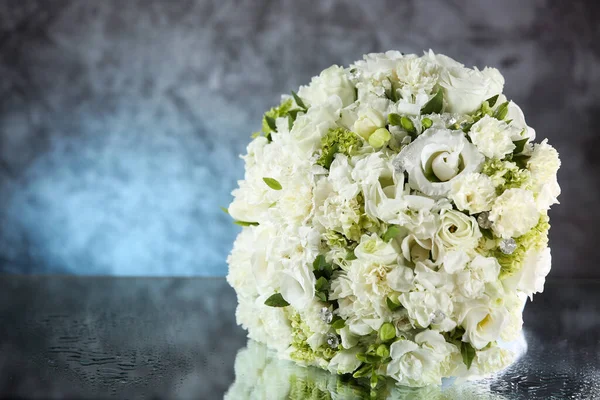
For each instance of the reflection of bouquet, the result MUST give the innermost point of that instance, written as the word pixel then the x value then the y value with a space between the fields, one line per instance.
pixel 260 375
pixel 395 220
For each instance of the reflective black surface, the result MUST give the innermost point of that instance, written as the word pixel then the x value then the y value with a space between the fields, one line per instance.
pixel 68 337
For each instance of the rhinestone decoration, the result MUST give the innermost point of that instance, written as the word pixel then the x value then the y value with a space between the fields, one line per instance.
pixel 437 317
pixel 508 246
pixel 333 341
pixel 483 220
pixel 326 315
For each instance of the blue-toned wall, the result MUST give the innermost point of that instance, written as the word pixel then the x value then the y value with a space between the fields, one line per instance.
pixel 121 121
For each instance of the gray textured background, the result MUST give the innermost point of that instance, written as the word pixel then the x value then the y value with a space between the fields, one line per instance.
pixel 121 121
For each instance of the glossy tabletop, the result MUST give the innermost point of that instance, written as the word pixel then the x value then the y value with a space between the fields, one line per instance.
pixel 75 337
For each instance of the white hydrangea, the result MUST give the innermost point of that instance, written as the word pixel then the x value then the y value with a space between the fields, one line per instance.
pixel 514 213
pixel 474 193
pixel 492 137
pixel 363 197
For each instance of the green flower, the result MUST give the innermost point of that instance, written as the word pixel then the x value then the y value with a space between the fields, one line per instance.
pixel 506 175
pixel 338 140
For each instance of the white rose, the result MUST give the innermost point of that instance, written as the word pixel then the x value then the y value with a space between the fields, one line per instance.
pixel 309 128
pixel 415 249
pixel 493 138
pixel 369 120
pixel 374 250
pixel 514 213
pixel 483 324
pixel 436 158
pixel 474 193
pixel 344 361
pixel 458 231
pixel 464 88
pixel 530 278
pixel 331 82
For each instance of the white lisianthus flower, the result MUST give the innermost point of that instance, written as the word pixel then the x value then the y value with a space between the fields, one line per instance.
pixel 369 121
pixel 514 213
pixel 458 231
pixel 345 361
pixel 474 193
pixel 464 88
pixel 422 362
pixel 530 278
pixel 374 250
pixel 483 323
pixel 515 115
pixel 415 249
pixel 492 137
pixel 436 158
pixel 334 81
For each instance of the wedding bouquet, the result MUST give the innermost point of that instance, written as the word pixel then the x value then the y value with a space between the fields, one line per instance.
pixel 394 221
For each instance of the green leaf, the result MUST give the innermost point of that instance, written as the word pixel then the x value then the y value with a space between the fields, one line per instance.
pixel 492 100
pixel 519 145
pixel 294 113
pixel 468 353
pixel 322 284
pixel 322 268
pixel 327 158
pixel 394 119
pixel 363 371
pixel 487 233
pixel 391 232
pixel 319 262
pixel 407 125
pixel 374 379
pixel 521 160
pixel 434 105
pixel 276 300
pixel 321 296
pixel 351 256
pixel 368 358
pixel 338 324
pixel 501 111
pixel 391 305
pixel 272 183
pixel 245 223
pixel 271 123
pixel 387 332
pixel 226 211
pixel 299 101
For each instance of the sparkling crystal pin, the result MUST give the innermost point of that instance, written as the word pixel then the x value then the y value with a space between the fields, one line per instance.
pixel 508 246
pixel 333 341
pixel 437 317
pixel 326 315
pixel 484 221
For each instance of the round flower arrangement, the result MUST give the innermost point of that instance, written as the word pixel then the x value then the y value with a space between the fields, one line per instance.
pixel 394 221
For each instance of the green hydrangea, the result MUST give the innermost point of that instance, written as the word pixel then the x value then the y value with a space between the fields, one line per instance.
pixel 302 351
pixel 536 238
pixel 338 140
pixel 506 175
pixel 276 112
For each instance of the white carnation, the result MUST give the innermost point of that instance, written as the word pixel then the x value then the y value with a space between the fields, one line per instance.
pixel 492 137
pixel 514 213
pixel 474 193
pixel 421 306
pixel 333 81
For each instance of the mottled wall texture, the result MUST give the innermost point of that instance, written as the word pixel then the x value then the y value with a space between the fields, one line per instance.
pixel 121 122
